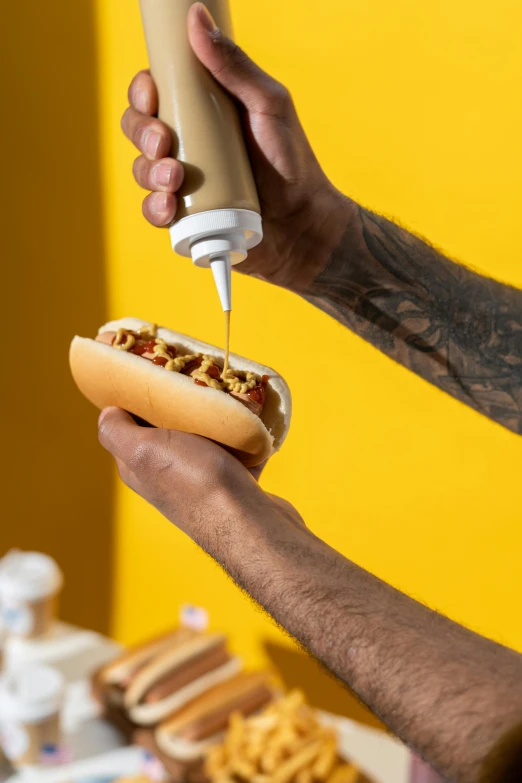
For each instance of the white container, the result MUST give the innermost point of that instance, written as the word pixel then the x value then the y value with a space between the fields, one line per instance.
pixel 76 653
pixel 30 703
pixel 29 586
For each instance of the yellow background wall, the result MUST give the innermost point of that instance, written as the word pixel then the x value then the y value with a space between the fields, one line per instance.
pixel 414 109
pixel 56 487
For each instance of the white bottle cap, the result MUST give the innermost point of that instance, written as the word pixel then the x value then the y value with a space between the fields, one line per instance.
pixel 30 695
pixel 28 576
pixel 219 235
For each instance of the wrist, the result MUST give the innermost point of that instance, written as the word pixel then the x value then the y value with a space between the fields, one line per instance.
pixel 271 553
pixel 259 534
pixel 327 221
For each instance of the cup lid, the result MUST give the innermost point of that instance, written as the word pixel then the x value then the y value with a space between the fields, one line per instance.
pixel 28 576
pixel 30 694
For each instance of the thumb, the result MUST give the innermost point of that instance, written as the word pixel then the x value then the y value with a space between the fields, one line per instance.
pixel 118 432
pixel 256 472
pixel 232 68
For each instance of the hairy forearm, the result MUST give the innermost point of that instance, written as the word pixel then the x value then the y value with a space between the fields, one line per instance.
pixel 453 696
pixel 455 328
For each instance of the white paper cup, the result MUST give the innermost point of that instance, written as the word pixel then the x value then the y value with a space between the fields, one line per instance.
pixel 29 587
pixel 30 703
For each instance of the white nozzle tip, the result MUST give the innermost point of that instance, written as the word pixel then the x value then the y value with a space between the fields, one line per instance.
pixel 222 271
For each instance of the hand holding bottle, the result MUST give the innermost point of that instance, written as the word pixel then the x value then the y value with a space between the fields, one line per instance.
pixel 304 216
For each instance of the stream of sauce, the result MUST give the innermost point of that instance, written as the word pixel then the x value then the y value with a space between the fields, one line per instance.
pixel 227 343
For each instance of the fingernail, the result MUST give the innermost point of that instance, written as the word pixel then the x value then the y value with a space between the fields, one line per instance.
pixel 152 142
pixel 206 19
pixel 102 416
pixel 158 203
pixel 163 175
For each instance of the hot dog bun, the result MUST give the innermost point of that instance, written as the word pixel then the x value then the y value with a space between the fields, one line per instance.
pixel 158 678
pixel 189 733
pixel 146 712
pixel 173 401
pixel 125 667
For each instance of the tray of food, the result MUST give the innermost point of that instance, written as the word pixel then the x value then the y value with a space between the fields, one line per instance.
pixel 178 708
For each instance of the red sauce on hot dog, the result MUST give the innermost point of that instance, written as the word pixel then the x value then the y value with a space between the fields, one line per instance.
pixel 144 345
pixel 258 393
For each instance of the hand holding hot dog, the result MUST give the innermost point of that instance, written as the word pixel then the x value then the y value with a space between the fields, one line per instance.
pixel 304 216
pixel 200 487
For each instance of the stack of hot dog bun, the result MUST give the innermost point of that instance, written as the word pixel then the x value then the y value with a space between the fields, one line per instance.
pixel 175 694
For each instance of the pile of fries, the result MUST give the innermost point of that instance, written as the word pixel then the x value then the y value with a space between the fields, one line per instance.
pixel 285 743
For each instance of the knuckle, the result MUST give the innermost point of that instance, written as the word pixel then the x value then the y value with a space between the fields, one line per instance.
pixel 147 212
pixel 140 170
pixel 234 57
pixel 141 129
pixel 273 100
pixel 143 126
pixel 236 53
pixel 125 120
pixel 280 98
pixel 104 435
pixel 282 93
pixel 125 475
pixel 167 450
pixel 142 459
pixel 109 435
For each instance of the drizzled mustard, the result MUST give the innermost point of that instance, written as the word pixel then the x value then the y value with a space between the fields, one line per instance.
pixel 230 381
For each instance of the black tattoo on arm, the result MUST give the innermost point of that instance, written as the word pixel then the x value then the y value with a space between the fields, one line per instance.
pixel 453 327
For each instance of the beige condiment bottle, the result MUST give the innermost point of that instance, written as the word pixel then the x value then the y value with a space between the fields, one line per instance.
pixel 218 218
pixel 30 703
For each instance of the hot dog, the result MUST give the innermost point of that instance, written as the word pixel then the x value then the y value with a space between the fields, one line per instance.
pixel 187 734
pixel 160 677
pixel 245 387
pixel 180 742
pixel 203 663
pixel 122 671
pixel 173 381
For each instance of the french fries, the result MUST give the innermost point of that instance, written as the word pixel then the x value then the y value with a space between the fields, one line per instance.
pixel 285 743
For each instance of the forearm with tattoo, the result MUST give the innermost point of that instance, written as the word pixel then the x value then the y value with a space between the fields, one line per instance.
pixel 455 328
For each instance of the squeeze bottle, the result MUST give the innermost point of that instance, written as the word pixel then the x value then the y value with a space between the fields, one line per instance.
pixel 218 219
